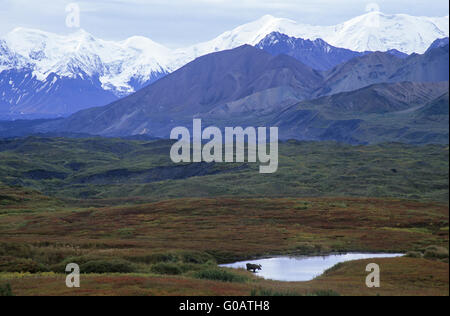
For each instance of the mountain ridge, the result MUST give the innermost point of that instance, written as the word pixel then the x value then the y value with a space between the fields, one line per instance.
pixel 415 113
pixel 379 67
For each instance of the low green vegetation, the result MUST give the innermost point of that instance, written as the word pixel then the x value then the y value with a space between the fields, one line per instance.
pixel 107 266
pixel 126 171
pixel 436 252
pixel 431 253
pixel 220 275
pixel 5 290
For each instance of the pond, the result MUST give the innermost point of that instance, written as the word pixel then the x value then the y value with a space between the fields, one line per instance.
pixel 296 269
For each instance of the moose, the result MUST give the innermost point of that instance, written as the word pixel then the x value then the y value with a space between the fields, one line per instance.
pixel 253 267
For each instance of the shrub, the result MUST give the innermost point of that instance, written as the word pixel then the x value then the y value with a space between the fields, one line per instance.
pixel 11 264
pixel 5 290
pixel 436 252
pixel 325 293
pixel 173 257
pixel 107 266
pixel 219 275
pixel 80 260
pixel 15 250
pixel 167 268
pixel 196 257
pixel 414 254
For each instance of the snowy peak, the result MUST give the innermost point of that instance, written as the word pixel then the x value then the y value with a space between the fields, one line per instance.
pixel 376 31
pixel 45 74
pixel 117 64
pixel 248 34
pixel 9 59
pixel 252 33
pixel 139 59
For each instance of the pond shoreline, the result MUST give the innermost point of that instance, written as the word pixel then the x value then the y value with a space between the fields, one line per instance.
pixel 303 268
pixel 303 254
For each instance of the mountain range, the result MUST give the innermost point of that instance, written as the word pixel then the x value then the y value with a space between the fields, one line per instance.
pixel 210 85
pixel 248 86
pixel 38 69
pixel 404 112
pixel 381 67
pixel 309 88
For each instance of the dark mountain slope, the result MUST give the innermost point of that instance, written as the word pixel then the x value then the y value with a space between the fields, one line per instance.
pixel 360 72
pixel 381 98
pixel 25 96
pixel 433 66
pixel 404 112
pixel 317 54
pixel 440 42
pixel 384 67
pixel 435 108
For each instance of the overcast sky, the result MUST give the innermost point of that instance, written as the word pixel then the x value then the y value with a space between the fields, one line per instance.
pixel 180 22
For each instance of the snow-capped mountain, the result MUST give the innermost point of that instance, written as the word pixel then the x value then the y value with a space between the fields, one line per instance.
pixel 376 31
pixel 373 31
pixel 139 58
pixel 46 75
pixel 34 61
pixel 9 59
pixel 118 64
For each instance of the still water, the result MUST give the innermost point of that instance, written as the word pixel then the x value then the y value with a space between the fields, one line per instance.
pixel 295 269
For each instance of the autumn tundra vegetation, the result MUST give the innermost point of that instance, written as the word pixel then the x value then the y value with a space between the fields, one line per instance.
pixel 137 224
